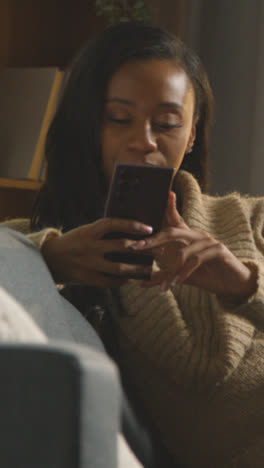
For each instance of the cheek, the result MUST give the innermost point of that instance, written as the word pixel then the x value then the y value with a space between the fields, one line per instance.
pixel 175 159
pixel 174 148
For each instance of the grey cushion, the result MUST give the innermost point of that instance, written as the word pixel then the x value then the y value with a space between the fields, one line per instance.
pixel 25 276
pixel 59 407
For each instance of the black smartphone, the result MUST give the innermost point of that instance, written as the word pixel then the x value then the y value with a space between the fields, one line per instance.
pixel 137 192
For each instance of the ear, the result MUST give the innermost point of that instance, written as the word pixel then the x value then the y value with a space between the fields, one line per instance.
pixel 191 139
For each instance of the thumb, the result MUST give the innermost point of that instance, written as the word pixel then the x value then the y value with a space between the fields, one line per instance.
pixel 173 217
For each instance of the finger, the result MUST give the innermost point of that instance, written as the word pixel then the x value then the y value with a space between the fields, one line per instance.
pixel 90 272
pixel 162 281
pixel 165 285
pixel 161 253
pixel 110 225
pixel 178 235
pixel 116 245
pixel 156 278
pixel 90 277
pixel 118 264
pixel 127 270
pixel 172 215
pixel 202 253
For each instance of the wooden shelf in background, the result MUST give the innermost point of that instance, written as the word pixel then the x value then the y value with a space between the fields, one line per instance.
pixel 40 33
pixel 20 184
pixel 17 197
pixel 45 32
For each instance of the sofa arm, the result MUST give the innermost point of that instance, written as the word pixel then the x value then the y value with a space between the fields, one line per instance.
pixel 59 407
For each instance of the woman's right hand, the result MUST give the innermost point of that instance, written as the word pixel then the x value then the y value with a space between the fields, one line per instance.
pixel 78 256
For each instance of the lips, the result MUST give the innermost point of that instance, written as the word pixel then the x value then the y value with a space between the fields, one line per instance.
pixel 155 160
pixel 152 159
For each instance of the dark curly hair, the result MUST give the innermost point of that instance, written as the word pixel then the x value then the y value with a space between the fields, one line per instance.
pixel 74 190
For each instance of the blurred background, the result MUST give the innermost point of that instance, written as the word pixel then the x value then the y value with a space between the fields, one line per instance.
pixel 227 34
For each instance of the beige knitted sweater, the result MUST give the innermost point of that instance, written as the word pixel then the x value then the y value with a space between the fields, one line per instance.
pixel 23 225
pixel 197 360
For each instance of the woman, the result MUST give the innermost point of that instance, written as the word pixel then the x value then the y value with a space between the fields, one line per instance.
pixel 190 340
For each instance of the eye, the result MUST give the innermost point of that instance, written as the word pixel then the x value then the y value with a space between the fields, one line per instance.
pixel 164 126
pixel 168 121
pixel 167 126
pixel 121 121
pixel 118 115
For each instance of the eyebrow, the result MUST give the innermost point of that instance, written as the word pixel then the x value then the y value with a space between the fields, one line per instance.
pixel 176 105
pixel 121 101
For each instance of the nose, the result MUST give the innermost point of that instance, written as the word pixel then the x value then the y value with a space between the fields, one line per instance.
pixel 142 139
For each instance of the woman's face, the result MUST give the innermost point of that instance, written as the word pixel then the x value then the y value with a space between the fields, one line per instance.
pixel 148 115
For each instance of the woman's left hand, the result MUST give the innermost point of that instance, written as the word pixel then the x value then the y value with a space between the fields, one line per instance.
pixel 194 257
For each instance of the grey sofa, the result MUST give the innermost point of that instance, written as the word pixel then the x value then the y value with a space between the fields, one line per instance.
pixel 59 407
pixel 59 391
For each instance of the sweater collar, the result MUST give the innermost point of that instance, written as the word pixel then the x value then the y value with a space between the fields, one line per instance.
pixel 188 194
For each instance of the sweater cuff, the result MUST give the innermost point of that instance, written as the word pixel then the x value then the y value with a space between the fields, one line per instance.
pixel 234 301
pixel 40 237
pixel 252 307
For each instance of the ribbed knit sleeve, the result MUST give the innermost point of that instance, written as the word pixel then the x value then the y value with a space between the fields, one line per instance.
pixel 193 337
pixel 253 257
pixel 38 238
pixel 184 333
pixel 195 359
pixel 238 222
